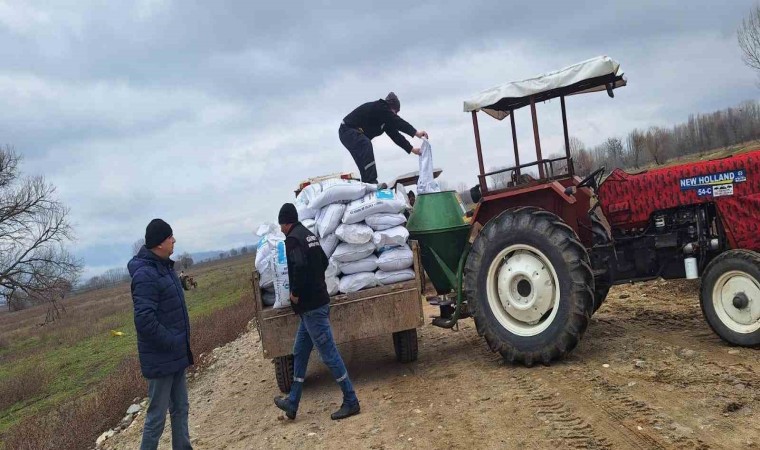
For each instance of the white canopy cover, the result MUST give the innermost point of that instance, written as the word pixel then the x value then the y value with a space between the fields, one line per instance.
pixel 568 76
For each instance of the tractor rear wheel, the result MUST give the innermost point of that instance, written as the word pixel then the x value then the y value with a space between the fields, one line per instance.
pixel 529 286
pixel 730 296
pixel 600 262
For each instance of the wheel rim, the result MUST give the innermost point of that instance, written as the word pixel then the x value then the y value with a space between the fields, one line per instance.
pixel 523 290
pixel 736 300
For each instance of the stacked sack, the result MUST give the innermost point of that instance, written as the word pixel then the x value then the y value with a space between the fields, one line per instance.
pixel 360 230
pixel 272 265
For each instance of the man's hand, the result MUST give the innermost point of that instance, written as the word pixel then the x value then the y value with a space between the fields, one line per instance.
pixel 416 151
pixel 421 134
pixel 293 299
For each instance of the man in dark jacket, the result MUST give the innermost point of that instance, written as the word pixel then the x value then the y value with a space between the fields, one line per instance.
pixel 369 121
pixel 163 335
pixel 309 298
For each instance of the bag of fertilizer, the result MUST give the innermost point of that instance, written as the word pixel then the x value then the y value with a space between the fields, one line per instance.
pixel 303 200
pixel 392 237
pixel 310 225
pixel 354 234
pixel 382 201
pixel 353 252
pixel 333 285
pixel 333 269
pixel 395 259
pixel 281 282
pixel 357 282
pixel 329 218
pixel 383 221
pixel 426 182
pixel 267 296
pixel 337 190
pixel 265 249
pixel 368 264
pixel 397 276
pixel 328 244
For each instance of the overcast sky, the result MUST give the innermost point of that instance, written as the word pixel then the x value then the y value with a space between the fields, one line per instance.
pixel 207 114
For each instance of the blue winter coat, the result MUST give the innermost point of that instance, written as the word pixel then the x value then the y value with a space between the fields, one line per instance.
pixel 161 320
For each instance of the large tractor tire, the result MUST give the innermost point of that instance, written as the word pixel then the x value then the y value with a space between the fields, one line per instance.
pixel 529 286
pixel 730 297
pixel 283 370
pixel 600 263
pixel 405 345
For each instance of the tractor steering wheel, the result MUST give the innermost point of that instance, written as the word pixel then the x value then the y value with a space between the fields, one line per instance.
pixel 587 182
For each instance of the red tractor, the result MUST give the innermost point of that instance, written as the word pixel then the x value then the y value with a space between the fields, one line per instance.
pixel 547 245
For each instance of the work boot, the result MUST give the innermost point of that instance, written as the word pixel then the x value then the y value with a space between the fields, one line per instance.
pixel 284 404
pixel 345 411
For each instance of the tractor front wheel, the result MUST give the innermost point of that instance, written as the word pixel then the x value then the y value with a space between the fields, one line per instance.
pixel 529 286
pixel 730 297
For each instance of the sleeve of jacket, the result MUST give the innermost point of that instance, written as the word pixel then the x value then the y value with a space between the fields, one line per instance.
pixel 297 267
pixel 394 124
pixel 145 297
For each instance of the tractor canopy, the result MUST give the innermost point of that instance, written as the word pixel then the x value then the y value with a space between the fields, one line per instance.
pixel 595 74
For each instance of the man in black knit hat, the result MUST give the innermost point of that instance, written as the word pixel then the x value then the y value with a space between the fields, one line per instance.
pixel 309 298
pixel 370 120
pixel 163 335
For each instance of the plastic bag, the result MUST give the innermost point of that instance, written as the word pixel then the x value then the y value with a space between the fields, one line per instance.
pixel 383 221
pixel 396 259
pixel 384 278
pixel 353 252
pixel 329 218
pixel 337 190
pixel 392 237
pixel 333 285
pixel 382 201
pixel 426 182
pixel 357 282
pixel 357 233
pixel 328 244
pixel 368 264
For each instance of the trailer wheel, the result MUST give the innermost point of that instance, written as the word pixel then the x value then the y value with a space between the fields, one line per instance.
pixel 730 297
pixel 405 345
pixel 283 370
pixel 529 286
pixel 600 262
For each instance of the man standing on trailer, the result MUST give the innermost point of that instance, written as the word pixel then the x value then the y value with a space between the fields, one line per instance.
pixel 309 298
pixel 370 120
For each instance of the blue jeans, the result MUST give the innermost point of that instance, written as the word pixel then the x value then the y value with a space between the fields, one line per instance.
pixel 315 330
pixel 164 393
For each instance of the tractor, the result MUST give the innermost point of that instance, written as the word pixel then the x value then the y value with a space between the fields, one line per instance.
pixel 535 258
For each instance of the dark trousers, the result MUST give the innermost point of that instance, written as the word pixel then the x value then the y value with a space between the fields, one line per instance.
pixel 360 148
pixel 315 331
pixel 169 392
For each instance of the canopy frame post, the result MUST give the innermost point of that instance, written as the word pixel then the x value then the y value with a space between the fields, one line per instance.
pixel 539 158
pixel 570 168
pixel 481 177
pixel 514 141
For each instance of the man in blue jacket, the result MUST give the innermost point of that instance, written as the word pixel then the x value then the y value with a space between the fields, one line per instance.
pixel 163 335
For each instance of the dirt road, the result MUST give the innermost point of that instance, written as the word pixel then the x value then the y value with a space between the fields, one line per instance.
pixel 649 374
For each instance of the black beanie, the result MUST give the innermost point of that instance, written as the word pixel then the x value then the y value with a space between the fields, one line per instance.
pixel 156 232
pixel 288 214
pixel 393 101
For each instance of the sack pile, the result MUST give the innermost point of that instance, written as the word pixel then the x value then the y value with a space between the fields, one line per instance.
pixel 361 231
pixel 272 265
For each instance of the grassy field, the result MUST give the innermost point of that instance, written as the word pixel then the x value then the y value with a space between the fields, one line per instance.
pixel 44 368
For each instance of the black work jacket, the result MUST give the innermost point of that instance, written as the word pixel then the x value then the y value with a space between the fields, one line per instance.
pixel 306 269
pixel 375 118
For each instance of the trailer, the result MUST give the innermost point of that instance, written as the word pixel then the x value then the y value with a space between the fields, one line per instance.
pixel 394 310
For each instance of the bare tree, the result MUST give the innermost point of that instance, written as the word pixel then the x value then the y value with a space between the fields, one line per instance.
pixel 233 252
pixel 33 231
pixel 583 162
pixel 655 145
pixel 635 143
pixel 500 180
pixel 749 38
pixel 185 261
pixel 137 245
pixel 244 250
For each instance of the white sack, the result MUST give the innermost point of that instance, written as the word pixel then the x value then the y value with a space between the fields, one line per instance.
pixel 329 218
pixel 357 282
pixel 384 278
pixel 426 182
pixel 396 259
pixel 281 282
pixel 337 190
pixel 265 249
pixel 328 244
pixel 303 200
pixel 354 234
pixel 383 221
pixel 332 268
pixel 368 264
pixel 382 201
pixel 333 285
pixel 267 296
pixel 392 237
pixel 310 225
pixel 353 252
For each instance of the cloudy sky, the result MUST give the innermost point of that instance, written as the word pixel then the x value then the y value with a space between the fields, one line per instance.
pixel 207 114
